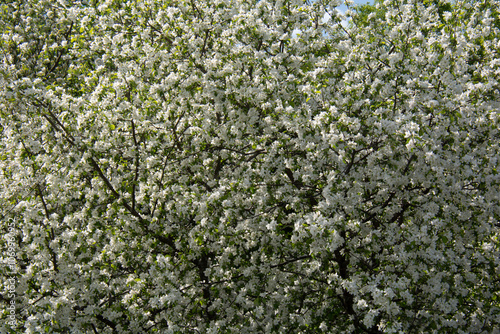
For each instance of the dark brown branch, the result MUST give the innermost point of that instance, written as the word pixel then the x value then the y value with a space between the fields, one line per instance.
pixel 106 321
pixel 61 52
pixel 296 183
pixel 291 261
pixel 218 168
pixel 117 196
pixel 351 163
pixel 52 234
pixel 254 155
pixel 203 263
pixel 376 223
pixel 136 175
pixel 196 9
pixel 207 34
pixel 61 128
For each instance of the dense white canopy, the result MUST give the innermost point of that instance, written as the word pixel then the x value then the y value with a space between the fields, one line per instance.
pixel 232 166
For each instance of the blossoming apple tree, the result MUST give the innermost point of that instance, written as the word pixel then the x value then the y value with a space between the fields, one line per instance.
pixel 232 166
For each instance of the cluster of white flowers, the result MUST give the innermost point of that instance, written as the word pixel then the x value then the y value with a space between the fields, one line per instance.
pixel 260 166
